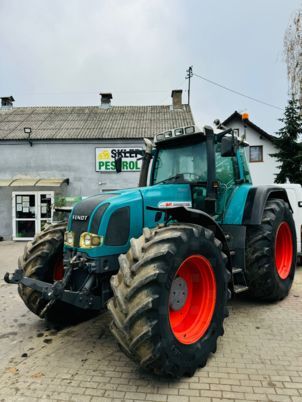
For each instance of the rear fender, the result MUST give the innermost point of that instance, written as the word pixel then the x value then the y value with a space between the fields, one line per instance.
pixel 256 201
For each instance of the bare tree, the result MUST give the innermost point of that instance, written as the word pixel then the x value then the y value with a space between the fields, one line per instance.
pixel 293 54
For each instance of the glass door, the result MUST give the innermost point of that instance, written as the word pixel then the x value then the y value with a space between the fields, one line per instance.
pixel 31 211
pixel 24 215
pixel 45 209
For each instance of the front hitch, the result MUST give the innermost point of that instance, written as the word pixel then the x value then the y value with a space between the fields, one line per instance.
pixel 15 278
pixel 57 291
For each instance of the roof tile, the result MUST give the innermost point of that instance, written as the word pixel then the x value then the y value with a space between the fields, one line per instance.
pixel 91 122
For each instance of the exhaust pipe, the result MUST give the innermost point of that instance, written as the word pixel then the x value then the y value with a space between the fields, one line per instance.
pixel 146 162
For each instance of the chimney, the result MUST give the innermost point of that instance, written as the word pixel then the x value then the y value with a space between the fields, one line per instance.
pixel 7 102
pixel 176 98
pixel 106 100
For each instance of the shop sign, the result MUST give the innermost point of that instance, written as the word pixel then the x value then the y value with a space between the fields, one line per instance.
pixel 105 159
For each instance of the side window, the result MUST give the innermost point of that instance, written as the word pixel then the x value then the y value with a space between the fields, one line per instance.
pixel 246 171
pixel 225 175
pixel 224 169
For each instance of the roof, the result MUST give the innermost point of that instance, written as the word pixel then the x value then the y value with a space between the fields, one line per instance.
pixel 91 122
pixel 238 116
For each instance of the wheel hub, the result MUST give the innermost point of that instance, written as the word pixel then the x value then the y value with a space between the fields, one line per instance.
pixel 178 294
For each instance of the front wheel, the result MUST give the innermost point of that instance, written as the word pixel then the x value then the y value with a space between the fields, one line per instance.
pixel 170 299
pixel 271 253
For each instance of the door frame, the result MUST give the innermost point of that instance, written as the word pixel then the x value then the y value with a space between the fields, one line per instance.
pixel 37 218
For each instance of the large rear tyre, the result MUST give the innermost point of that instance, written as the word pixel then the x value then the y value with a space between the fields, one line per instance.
pixel 43 259
pixel 170 298
pixel 271 253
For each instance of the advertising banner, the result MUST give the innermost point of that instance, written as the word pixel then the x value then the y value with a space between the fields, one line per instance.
pixel 105 159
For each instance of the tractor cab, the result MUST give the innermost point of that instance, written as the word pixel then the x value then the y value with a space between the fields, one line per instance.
pixel 211 163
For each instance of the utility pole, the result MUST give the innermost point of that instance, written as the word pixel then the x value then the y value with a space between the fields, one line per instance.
pixel 188 77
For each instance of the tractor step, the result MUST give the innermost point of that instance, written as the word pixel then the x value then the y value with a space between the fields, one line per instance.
pixel 236 270
pixel 240 288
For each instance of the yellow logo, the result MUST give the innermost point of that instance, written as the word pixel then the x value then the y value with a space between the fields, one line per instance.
pixel 105 154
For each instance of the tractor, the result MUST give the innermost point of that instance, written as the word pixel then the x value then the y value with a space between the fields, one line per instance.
pixel 166 256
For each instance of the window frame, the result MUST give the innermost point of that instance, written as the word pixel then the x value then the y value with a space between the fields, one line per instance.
pixel 256 146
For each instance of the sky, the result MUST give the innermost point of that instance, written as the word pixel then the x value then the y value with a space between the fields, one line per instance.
pixel 56 52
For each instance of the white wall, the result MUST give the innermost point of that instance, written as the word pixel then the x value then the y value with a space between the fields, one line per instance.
pixel 261 172
pixel 75 161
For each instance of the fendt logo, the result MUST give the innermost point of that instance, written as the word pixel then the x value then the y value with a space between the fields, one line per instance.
pixel 80 217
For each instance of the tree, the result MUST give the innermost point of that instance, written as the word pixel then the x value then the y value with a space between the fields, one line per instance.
pixel 293 54
pixel 289 149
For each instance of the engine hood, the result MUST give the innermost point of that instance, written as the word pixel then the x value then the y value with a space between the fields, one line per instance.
pixel 109 214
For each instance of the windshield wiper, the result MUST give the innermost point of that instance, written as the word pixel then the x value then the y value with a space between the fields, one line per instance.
pixel 175 177
pixel 178 176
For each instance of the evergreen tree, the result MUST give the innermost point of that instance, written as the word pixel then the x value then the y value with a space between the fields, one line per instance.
pixel 289 150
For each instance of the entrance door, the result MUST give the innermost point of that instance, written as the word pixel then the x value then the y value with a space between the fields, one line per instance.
pixel 45 202
pixel 31 210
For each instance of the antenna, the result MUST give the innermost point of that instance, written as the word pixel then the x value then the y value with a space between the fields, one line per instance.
pixel 188 77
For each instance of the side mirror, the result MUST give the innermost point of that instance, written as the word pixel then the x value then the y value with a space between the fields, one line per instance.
pixel 118 164
pixel 227 147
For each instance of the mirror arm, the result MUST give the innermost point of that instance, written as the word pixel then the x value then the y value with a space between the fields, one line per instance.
pixel 225 132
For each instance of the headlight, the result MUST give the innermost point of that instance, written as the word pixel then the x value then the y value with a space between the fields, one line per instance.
pixel 69 239
pixel 89 240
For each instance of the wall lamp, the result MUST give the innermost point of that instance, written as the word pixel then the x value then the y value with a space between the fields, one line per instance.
pixel 27 130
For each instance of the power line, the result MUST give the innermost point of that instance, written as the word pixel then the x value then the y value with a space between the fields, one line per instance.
pixel 237 92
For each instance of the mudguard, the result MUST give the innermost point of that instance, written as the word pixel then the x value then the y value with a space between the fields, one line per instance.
pixel 256 200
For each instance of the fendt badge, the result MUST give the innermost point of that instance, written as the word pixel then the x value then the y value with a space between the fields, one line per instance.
pixel 80 217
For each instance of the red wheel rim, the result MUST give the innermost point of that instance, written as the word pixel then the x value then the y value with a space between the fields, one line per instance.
pixel 58 272
pixel 192 320
pixel 283 250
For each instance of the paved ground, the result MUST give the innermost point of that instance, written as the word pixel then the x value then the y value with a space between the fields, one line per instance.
pixel 258 359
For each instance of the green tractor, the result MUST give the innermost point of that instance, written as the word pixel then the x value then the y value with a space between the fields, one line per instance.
pixel 166 257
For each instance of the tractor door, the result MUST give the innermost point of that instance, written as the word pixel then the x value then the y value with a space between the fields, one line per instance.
pixel 227 174
pixel 231 172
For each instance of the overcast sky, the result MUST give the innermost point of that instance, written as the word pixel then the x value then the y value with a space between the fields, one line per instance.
pixel 56 52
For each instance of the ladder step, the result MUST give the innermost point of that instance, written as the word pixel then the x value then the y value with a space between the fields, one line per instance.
pixel 240 288
pixel 232 252
pixel 236 270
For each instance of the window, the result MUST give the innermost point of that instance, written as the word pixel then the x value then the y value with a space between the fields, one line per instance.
pixel 185 163
pixel 256 153
pixel 236 132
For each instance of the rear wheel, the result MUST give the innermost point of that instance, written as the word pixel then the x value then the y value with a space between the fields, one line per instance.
pixel 170 298
pixel 271 253
pixel 43 259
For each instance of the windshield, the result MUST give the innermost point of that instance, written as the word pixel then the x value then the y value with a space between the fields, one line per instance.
pixel 185 163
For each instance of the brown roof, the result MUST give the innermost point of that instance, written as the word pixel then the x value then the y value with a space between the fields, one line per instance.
pixel 91 122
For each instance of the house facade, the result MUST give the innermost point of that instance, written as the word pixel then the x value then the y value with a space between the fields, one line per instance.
pixel 54 155
pixel 262 166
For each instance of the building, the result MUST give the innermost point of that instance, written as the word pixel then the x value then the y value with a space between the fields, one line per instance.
pixel 50 154
pixel 262 166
